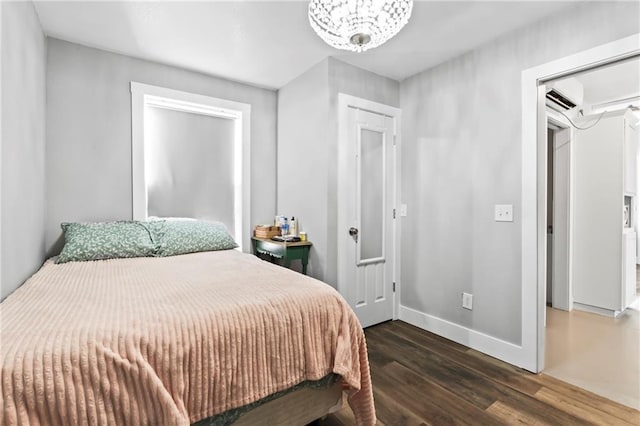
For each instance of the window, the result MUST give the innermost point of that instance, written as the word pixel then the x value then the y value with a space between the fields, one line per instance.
pixel 190 158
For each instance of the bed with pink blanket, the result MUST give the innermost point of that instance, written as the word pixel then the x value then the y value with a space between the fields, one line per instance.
pixel 171 340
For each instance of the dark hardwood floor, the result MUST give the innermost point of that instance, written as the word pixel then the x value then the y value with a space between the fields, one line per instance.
pixel 422 379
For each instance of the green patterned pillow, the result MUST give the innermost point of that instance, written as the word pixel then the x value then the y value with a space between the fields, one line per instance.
pixel 108 240
pixel 189 236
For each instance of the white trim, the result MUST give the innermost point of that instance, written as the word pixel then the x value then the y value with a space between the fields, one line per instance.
pixel 557 119
pixel 534 190
pixel 484 343
pixel 562 296
pixel 1 145
pixel 596 310
pixel 143 95
pixel 344 102
pixel 397 229
pixel 557 123
pixel 359 260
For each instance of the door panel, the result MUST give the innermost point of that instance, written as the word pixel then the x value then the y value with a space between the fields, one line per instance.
pixel 361 290
pixel 367 263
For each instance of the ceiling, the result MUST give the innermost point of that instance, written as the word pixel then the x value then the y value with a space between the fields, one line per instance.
pixel 268 43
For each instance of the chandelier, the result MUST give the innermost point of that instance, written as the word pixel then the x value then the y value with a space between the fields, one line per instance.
pixel 358 25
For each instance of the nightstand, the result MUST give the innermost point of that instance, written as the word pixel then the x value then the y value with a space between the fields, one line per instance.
pixel 282 252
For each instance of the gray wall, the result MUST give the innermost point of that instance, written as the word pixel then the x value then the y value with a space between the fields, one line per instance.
pixel 354 81
pixel 346 78
pixel 307 150
pixel 89 133
pixel 303 116
pixel 23 149
pixel 461 155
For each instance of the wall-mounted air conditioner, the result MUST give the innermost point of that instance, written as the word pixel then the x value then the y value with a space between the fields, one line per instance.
pixel 563 95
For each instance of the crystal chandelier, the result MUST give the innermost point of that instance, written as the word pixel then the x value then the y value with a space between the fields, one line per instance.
pixel 358 25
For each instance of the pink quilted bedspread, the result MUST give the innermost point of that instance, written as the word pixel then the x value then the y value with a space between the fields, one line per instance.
pixel 171 340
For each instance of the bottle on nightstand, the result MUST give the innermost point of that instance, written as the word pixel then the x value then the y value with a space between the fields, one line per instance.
pixel 284 227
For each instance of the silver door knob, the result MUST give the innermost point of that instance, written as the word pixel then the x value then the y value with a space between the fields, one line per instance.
pixel 353 231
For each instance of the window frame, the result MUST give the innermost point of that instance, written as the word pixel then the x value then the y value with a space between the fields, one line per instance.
pixel 143 95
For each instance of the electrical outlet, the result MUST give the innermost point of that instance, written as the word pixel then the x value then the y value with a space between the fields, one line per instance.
pixel 467 301
pixel 504 213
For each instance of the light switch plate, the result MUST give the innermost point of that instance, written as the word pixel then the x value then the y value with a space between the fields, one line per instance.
pixel 467 301
pixel 403 210
pixel 504 213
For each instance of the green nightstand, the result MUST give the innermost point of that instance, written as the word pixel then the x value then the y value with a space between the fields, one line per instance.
pixel 281 251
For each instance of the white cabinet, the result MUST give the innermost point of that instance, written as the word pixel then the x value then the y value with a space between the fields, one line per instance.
pixel 605 167
pixel 630 155
pixel 629 272
pixel 630 184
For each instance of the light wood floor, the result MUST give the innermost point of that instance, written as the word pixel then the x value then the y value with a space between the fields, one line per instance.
pixel 595 352
pixel 422 379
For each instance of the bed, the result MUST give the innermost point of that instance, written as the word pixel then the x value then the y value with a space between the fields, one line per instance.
pixel 176 340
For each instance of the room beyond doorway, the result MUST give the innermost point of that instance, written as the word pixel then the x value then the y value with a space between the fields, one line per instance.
pixel 533 146
pixel 596 353
pixel 592 335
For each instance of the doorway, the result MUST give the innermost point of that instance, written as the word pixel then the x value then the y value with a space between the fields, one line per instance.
pixel 533 218
pixel 367 199
pixel 592 341
pixel 602 159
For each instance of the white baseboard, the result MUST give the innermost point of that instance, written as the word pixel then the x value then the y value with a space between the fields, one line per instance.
pixel 497 348
pixel 596 310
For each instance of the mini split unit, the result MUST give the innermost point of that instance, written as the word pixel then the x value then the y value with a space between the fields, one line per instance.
pixel 564 95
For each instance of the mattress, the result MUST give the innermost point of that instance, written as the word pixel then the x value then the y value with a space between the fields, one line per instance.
pixel 231 416
pixel 171 340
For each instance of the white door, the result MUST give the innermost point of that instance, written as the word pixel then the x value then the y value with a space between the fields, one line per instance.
pixel 561 280
pixel 366 220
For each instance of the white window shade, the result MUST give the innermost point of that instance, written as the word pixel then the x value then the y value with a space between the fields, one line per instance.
pixel 189 165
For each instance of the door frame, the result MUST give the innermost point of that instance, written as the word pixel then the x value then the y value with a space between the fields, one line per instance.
pixel 344 103
pixel 566 290
pixel 534 159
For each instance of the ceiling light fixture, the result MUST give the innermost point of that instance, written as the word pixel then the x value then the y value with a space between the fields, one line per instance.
pixel 358 25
